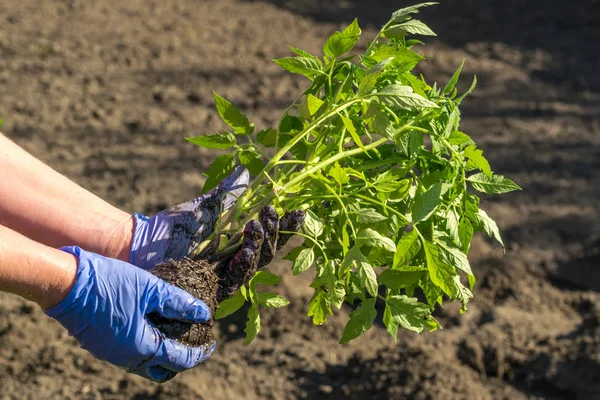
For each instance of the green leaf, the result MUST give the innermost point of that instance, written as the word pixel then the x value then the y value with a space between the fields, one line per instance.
pixel 452 224
pixel 391 325
pixel 251 160
pixel 473 85
pixel 412 315
pixel 459 138
pixel 407 248
pixel 373 238
pixel 352 130
pixel 370 216
pixel 432 293
pixel 304 54
pixel 267 137
pixel 252 324
pixel 489 225
pixel 338 174
pixel 404 13
pixel 403 97
pixel 233 116
pixel 305 259
pixel 272 300
pixel 264 278
pixel 394 279
pixel 230 305
pixel 465 234
pixel 451 124
pixel 312 224
pixel 300 65
pixel 417 27
pixel 477 160
pixel 367 83
pixel 319 307
pixel 314 104
pixel 454 80
pixel 367 276
pixel 342 42
pixel 497 184
pixel 220 168
pixel 360 321
pixel 403 59
pixel 221 141
pixel 440 272
pixel 454 255
pixel 462 294
pixel 426 203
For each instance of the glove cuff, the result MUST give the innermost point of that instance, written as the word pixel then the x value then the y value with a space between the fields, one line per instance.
pixel 76 297
pixel 141 240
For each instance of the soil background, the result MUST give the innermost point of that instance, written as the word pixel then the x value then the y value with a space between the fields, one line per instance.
pixel 105 91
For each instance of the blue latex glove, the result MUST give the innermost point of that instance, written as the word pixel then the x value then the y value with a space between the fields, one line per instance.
pixel 106 312
pixel 175 232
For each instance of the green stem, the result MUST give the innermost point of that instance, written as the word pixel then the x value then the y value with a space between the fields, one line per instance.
pixel 309 238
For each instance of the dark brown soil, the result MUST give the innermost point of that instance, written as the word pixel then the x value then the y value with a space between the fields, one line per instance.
pixel 106 91
pixel 199 279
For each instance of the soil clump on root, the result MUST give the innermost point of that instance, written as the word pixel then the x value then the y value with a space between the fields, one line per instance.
pixel 200 280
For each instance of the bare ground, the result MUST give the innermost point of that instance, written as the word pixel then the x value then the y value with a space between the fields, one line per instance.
pixel 104 92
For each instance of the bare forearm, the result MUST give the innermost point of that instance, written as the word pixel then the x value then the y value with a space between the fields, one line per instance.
pixel 47 207
pixel 34 271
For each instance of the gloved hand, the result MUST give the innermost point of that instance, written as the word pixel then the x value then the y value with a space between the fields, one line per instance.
pixel 175 232
pixel 106 311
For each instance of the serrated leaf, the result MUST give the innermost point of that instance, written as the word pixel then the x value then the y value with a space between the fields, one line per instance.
pixel 440 272
pixel 251 160
pixel 396 279
pixel 233 116
pixel 412 315
pixel 312 224
pixel 416 27
pixel 407 248
pixel 300 65
pixel 426 202
pixel 267 137
pixel 342 42
pixel 454 255
pixel 220 168
pixel 489 225
pixel 403 13
pixel 221 141
pixel 403 97
pixel 497 184
pixel 305 259
pixel 477 160
pixel 338 174
pixel 432 293
pixel 230 305
pixel 272 300
pixel 370 216
pixel 319 307
pixel 373 238
pixel 473 85
pixel 360 321
pixel 252 324
pixel 462 294
pixel 454 79
pixel 303 53
pixel 264 278
pixel 451 124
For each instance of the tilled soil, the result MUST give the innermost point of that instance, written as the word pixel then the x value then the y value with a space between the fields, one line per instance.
pixel 105 92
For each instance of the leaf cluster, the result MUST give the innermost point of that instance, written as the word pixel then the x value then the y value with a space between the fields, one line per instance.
pixel 390 183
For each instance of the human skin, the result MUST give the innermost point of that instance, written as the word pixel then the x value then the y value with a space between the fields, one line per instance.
pixel 33 270
pixel 47 207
